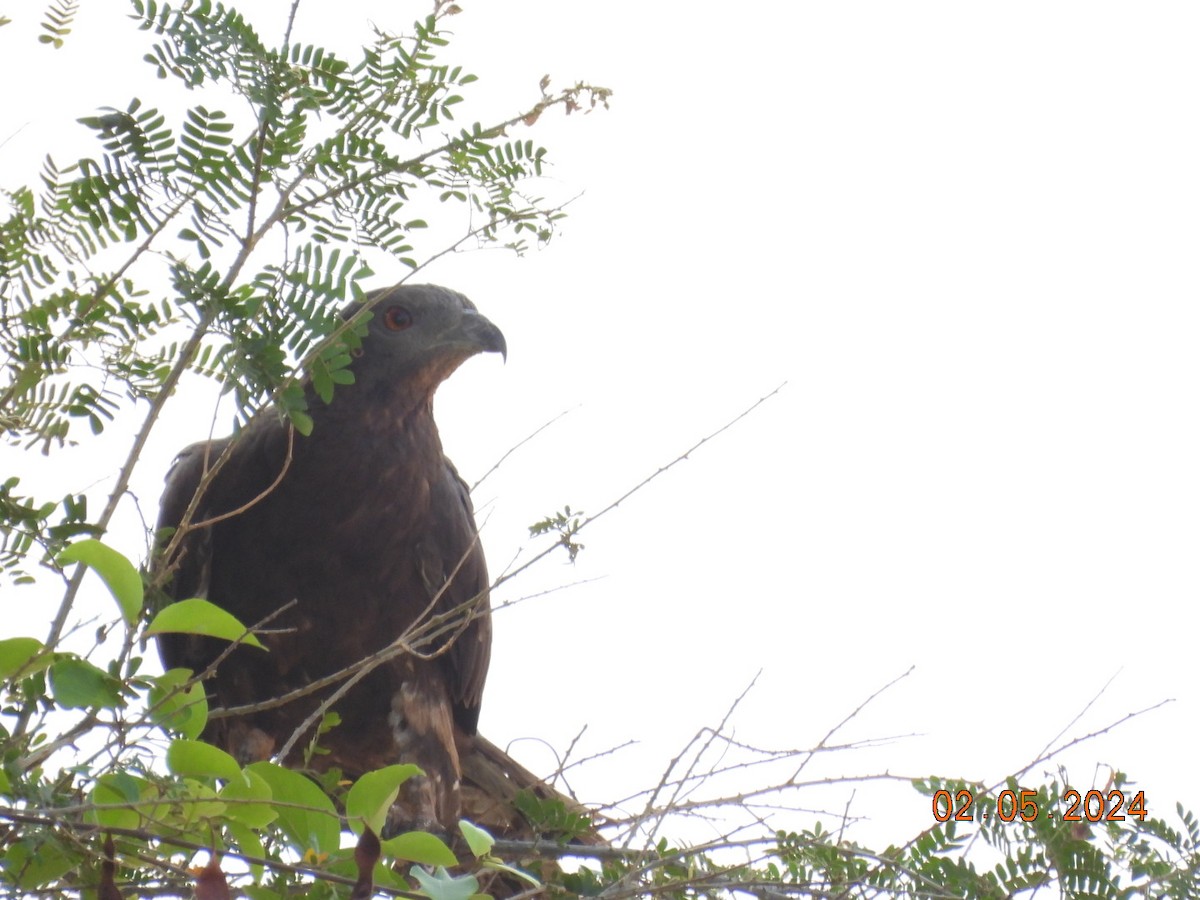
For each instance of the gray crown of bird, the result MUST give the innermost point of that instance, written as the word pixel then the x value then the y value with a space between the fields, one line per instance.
pixel 355 551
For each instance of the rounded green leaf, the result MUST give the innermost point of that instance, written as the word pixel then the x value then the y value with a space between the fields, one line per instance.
pixel 17 653
pixel 250 844
pixel 198 759
pixel 248 801
pixel 35 863
pixel 117 572
pixel 120 792
pixel 309 818
pixel 420 847
pixel 77 684
pixel 479 842
pixel 370 798
pixel 178 708
pixel 197 616
pixel 200 804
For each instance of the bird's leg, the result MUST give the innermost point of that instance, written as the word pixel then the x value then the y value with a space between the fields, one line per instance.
pixel 423 733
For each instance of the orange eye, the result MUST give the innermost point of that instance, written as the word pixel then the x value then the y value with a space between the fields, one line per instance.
pixel 397 318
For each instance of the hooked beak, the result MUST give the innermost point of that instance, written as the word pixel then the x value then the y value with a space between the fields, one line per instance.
pixel 478 330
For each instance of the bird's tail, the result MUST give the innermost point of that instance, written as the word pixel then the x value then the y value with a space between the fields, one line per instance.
pixel 512 803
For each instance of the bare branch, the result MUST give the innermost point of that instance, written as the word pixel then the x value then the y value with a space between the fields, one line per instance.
pixel 840 725
pixel 509 574
pixel 515 447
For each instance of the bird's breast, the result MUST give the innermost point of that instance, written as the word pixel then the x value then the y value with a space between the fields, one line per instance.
pixel 344 523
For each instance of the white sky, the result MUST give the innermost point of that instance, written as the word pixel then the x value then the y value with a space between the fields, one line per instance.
pixel 965 236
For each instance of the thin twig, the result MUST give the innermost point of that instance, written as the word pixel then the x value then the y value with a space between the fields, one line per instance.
pixel 513 573
pixel 659 813
pixel 1049 754
pixel 1100 693
pixel 840 725
pixel 515 447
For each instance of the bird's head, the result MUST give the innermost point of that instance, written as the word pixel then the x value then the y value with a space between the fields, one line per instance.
pixel 419 334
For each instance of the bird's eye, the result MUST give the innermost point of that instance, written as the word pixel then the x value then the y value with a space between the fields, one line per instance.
pixel 397 318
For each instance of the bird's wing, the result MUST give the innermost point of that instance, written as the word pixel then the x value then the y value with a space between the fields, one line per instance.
pixel 453 550
pixel 189 567
pixel 254 463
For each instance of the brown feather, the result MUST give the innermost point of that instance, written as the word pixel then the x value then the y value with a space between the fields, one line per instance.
pixel 362 534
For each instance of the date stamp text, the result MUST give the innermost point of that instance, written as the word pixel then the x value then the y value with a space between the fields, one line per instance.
pixel 1094 806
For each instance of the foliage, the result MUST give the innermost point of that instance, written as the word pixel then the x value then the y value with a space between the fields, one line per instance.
pixel 566 525
pixel 214 235
pixel 213 232
pixel 219 242
pixel 1132 858
pixel 57 23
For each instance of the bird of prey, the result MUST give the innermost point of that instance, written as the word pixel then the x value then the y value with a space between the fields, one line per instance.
pixel 355 544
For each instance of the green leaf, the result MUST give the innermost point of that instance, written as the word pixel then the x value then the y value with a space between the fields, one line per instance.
pixel 117 789
pixel 178 709
pixel 201 804
pixel 77 684
pixel 33 864
pixel 249 843
pixel 420 847
pixel 197 616
pixel 17 653
pixel 370 798
pixel 478 841
pixel 117 572
pixel 310 819
pixel 198 759
pixel 497 866
pixel 245 791
pixel 302 420
pixel 322 384
pixel 441 885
